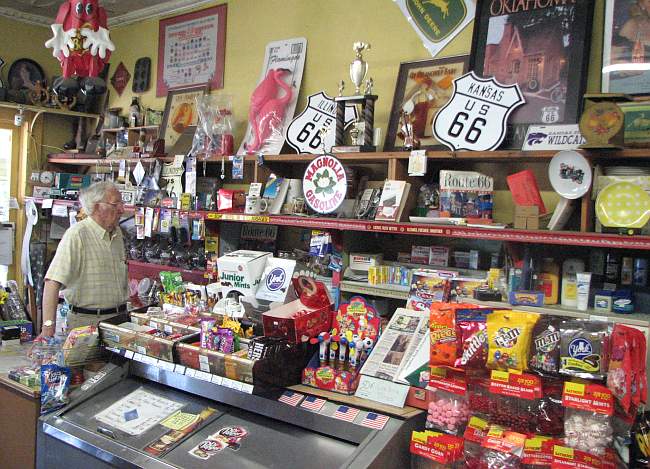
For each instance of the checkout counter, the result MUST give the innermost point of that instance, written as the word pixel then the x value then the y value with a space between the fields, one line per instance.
pixel 239 426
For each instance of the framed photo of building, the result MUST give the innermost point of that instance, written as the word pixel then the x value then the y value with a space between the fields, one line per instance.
pixel 192 50
pixel 180 116
pixel 423 87
pixel 626 47
pixel 543 47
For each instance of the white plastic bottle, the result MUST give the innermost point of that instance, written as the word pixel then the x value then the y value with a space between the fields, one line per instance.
pixel 570 268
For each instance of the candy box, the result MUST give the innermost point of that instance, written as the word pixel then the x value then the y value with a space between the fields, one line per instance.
pixel 241 271
pixel 330 378
pixel 18 329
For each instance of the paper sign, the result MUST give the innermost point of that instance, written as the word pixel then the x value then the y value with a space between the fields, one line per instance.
pixel 255 189
pixel 47 203
pixel 380 390
pixel 13 203
pixel 60 210
pixel 553 137
pixel 148 221
pixel 178 160
pixel 72 216
pixel 179 421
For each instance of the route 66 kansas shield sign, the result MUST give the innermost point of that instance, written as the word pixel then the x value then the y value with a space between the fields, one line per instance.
pixel 476 115
pixel 303 134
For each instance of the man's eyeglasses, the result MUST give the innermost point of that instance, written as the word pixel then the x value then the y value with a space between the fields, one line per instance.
pixel 114 204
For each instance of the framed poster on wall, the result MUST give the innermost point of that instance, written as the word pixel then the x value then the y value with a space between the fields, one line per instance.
pixel 626 47
pixel 542 46
pixel 423 87
pixel 192 50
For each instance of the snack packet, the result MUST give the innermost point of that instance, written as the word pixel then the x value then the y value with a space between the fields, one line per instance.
pixel 55 386
pixel 509 335
pixel 471 331
pixel 545 346
pixel 584 349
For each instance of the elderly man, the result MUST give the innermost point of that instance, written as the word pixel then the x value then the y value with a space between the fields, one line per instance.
pixel 89 263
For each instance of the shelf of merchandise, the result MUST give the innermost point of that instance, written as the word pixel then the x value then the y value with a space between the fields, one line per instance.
pixel 397 292
pixel 161 267
pixel 133 129
pixel 67 203
pixel 48 110
pixel 378 157
pixel 566 238
pixel 401 293
pixel 86 159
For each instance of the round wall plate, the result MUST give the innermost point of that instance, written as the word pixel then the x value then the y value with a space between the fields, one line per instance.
pixel 600 122
pixel 570 174
pixel 623 205
pixel 24 73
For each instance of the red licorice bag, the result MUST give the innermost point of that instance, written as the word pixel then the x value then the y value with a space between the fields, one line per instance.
pixel 620 375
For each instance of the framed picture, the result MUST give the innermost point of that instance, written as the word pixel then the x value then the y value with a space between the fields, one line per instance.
pixel 637 123
pixel 626 47
pixel 542 46
pixel 192 50
pixel 180 116
pixel 423 87
pixel 24 73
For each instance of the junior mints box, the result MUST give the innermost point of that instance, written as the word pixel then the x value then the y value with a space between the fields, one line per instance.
pixel 241 271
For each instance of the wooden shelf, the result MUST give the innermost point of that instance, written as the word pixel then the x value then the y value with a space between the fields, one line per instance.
pixel 86 159
pixel 132 129
pixel 149 265
pixel 47 110
pixel 401 293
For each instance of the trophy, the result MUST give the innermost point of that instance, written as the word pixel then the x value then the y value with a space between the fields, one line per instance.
pixel 363 130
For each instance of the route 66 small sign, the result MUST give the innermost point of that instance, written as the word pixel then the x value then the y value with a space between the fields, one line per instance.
pixel 476 115
pixel 303 134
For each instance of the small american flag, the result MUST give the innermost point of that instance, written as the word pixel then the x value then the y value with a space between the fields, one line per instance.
pixel 346 413
pixel 291 398
pixel 376 421
pixel 313 403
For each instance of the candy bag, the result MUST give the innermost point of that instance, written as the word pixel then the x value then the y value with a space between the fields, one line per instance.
pixel 55 386
pixel 442 327
pixel 583 349
pixel 620 373
pixel 509 335
pixel 545 346
pixel 471 331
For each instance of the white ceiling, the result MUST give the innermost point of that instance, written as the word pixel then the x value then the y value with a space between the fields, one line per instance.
pixel 119 12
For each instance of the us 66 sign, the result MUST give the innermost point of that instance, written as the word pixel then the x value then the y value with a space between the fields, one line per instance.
pixel 303 134
pixel 476 115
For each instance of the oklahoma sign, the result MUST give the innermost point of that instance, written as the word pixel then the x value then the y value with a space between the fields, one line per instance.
pixel 324 184
pixel 476 115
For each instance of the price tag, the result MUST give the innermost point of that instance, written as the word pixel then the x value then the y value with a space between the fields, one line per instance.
pixel 217 379
pixel 112 349
pixel 236 385
pixel 203 363
pixel 153 324
pixel 203 376
pixel 152 361
pixel 180 369
pixel 227 383
pixel 138 358
pixel 190 372
pixel 247 388
pixel 166 365
pixel 141 350
pixel 168 329
pixel 129 354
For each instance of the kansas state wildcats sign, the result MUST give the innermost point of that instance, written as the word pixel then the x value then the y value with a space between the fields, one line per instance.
pixel 303 134
pixel 476 115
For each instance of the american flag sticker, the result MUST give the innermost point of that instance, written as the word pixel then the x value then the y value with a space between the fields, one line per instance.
pixel 291 398
pixel 376 421
pixel 313 403
pixel 346 413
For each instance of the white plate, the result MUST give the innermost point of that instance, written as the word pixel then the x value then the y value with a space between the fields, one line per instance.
pixel 570 174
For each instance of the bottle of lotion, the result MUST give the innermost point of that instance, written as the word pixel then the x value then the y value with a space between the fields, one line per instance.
pixel 570 268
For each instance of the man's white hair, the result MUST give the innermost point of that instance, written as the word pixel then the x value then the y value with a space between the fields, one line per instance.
pixel 95 193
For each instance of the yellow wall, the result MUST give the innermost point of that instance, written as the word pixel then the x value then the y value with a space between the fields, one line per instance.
pixel 330 28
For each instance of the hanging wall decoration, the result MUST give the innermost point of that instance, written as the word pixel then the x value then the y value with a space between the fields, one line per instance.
pixel 437 22
pixel 120 79
pixel 626 47
pixel 192 50
pixel 81 39
pixel 541 46
pixel 141 75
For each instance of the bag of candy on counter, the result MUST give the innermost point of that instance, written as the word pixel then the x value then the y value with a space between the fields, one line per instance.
pixel 55 386
pixel 584 349
pixel 475 432
pixel 545 346
pixel 471 333
pixel 509 335
pixel 442 329
pixel 502 448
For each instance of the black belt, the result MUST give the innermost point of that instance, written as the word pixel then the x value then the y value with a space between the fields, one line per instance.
pixel 118 309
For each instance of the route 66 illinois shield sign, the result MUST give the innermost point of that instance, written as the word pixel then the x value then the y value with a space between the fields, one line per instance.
pixel 476 115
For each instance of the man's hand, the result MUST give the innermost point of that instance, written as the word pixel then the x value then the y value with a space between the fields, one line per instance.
pixel 61 42
pixel 97 41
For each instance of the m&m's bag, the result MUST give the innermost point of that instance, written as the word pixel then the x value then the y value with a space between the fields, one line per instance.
pixel 509 336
